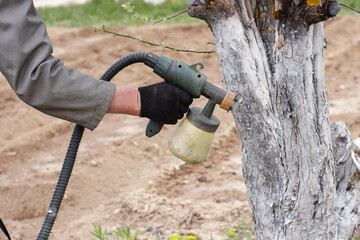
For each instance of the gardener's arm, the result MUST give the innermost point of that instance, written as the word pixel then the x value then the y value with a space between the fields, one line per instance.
pixel 41 80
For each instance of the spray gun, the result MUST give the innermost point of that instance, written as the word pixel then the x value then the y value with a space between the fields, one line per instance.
pixel 192 139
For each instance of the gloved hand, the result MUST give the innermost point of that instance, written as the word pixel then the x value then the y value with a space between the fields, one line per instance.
pixel 164 103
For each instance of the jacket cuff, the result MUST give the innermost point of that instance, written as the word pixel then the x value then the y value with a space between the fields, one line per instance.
pixel 106 92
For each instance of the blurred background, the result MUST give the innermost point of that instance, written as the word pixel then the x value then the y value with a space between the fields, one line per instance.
pixel 52 3
pixel 83 13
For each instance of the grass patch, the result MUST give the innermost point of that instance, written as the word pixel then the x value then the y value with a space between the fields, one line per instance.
pixel 111 13
pixel 121 233
pixel 126 233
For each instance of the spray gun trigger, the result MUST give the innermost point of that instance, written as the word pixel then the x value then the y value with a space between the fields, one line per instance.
pixel 194 66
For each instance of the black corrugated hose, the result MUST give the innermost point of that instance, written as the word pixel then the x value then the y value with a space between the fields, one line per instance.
pixel 149 60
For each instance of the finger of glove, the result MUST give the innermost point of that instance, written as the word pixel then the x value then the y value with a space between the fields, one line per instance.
pixel 171 121
pixel 180 115
pixel 185 98
pixel 183 108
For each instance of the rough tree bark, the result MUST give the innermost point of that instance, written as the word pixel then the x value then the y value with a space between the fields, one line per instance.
pixel 301 175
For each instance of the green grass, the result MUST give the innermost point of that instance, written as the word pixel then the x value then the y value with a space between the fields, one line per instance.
pixel 352 3
pixel 125 233
pixel 111 13
pixel 121 233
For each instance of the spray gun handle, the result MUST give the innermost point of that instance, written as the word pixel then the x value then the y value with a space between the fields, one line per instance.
pixel 153 128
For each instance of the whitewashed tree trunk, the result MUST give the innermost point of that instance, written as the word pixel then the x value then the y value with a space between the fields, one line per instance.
pixel 276 68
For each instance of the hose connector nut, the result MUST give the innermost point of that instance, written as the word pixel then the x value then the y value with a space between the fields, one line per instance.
pixel 228 101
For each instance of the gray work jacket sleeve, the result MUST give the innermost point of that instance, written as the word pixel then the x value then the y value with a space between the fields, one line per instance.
pixel 41 80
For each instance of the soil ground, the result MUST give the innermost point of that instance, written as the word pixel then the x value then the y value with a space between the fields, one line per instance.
pixel 123 178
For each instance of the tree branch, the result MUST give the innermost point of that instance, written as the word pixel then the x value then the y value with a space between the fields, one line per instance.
pixel 345 5
pixel 170 17
pixel 130 8
pixel 162 45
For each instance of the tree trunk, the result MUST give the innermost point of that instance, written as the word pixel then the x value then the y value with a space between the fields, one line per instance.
pixel 272 57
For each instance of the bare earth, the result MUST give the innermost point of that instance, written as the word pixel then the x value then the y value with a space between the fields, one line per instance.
pixel 121 177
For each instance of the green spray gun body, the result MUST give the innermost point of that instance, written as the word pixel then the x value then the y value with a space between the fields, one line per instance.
pixel 188 78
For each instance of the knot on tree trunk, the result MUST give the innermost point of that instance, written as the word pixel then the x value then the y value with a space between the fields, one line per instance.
pixel 322 12
pixel 211 10
pixel 308 12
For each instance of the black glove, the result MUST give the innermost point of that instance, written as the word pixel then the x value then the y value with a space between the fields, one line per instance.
pixel 164 103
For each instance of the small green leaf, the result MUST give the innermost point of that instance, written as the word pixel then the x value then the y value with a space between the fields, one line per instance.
pixel 136 234
pixel 163 46
pixel 148 43
pixel 119 233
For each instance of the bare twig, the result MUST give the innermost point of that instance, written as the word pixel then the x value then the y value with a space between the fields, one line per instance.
pixel 162 45
pixel 130 8
pixel 173 16
pixel 345 5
